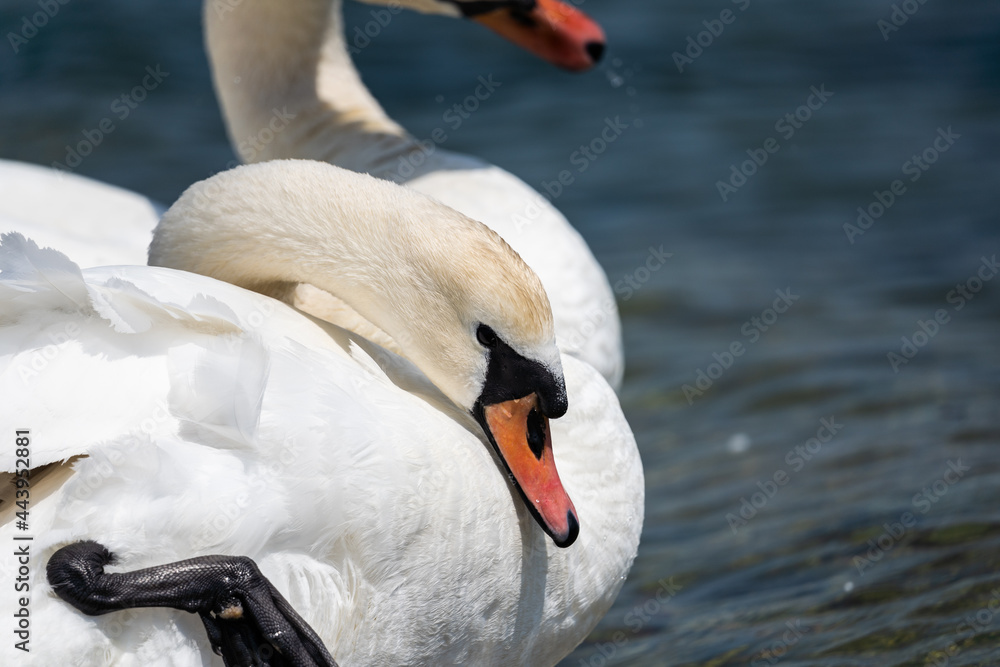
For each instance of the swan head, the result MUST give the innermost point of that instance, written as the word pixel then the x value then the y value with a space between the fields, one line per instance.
pixel 486 338
pixel 551 29
pixel 519 395
pixel 458 301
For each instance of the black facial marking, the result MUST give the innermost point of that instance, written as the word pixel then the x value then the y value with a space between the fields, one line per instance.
pixel 472 8
pixel 510 375
pixel 536 433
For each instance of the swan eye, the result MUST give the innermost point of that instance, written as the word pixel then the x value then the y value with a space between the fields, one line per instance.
pixel 536 433
pixel 486 336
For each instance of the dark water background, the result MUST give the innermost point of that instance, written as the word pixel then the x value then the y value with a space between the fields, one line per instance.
pixel 866 549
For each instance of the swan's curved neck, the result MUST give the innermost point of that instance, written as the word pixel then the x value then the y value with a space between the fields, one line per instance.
pixel 376 245
pixel 288 88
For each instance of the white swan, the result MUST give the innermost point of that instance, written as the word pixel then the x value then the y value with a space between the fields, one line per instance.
pixel 216 420
pixel 288 89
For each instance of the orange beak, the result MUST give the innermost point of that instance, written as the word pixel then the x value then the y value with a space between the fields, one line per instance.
pixel 552 30
pixel 520 432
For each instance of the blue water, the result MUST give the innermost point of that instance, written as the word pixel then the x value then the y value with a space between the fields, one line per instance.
pixel 869 485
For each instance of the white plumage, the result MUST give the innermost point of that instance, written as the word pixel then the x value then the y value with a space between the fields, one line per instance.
pixel 217 420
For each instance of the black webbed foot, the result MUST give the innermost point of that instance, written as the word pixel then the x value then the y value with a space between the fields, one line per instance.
pixel 249 623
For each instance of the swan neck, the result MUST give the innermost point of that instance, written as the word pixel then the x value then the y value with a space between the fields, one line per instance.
pixel 270 227
pixel 287 85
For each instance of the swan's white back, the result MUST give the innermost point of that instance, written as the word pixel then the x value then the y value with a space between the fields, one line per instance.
pixel 220 421
pixel 94 223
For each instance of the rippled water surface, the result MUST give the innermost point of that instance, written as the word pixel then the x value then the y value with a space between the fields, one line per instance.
pixel 810 499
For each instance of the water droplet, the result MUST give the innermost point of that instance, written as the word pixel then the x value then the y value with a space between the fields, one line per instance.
pixel 237 79
pixel 849 586
pixel 615 80
pixel 439 99
pixel 637 122
pixel 630 91
pixel 738 443
pixel 617 62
